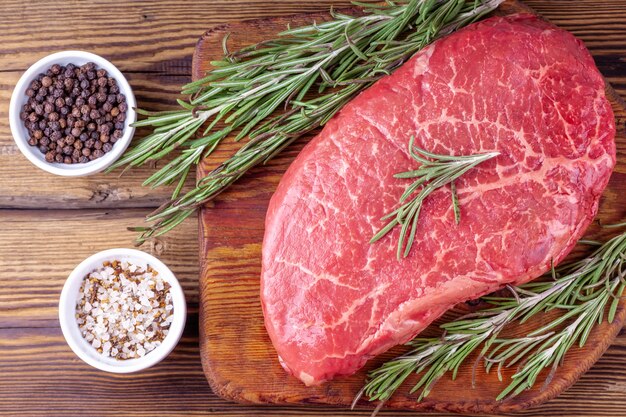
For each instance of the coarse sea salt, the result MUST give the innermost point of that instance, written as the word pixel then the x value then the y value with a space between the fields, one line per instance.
pixel 124 310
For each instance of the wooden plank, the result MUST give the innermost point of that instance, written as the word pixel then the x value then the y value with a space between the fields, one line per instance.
pixel 247 370
pixel 39 248
pixel 41 376
pixel 157 65
pixel 150 42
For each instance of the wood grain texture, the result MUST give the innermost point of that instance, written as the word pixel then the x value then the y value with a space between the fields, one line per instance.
pixel 246 369
pixel 152 42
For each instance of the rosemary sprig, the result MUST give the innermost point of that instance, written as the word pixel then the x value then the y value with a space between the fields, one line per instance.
pixel 331 61
pixel 582 289
pixel 432 174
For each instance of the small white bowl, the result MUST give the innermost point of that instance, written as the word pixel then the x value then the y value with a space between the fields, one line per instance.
pixel 71 331
pixel 20 133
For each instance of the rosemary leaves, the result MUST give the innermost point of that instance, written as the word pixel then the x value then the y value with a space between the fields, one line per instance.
pixel 432 174
pixel 276 91
pixel 588 291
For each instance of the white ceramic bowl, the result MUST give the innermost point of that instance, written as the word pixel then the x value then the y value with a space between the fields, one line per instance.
pixel 20 133
pixel 82 348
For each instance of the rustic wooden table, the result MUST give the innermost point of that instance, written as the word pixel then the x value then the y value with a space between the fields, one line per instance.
pixel 48 224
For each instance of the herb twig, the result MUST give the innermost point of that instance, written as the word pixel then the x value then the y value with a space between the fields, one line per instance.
pixel 434 172
pixel 588 291
pixel 278 90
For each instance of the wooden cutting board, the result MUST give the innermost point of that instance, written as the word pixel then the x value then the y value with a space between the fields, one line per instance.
pixel 238 358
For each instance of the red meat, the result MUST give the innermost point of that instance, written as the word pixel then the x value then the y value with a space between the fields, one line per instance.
pixel 517 85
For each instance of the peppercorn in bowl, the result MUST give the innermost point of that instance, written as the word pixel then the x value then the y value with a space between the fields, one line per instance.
pixel 71 113
pixel 122 310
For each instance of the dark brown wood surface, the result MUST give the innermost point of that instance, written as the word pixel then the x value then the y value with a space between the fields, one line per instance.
pixel 48 224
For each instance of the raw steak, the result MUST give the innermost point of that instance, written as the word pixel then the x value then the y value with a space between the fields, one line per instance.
pixel 517 85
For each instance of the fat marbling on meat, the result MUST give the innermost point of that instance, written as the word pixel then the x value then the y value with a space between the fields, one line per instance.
pixel 517 85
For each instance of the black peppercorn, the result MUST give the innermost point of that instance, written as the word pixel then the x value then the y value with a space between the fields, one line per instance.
pixel 74 114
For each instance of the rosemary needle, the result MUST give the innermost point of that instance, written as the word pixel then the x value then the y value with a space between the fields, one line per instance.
pixel 588 292
pixel 278 90
pixel 432 174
